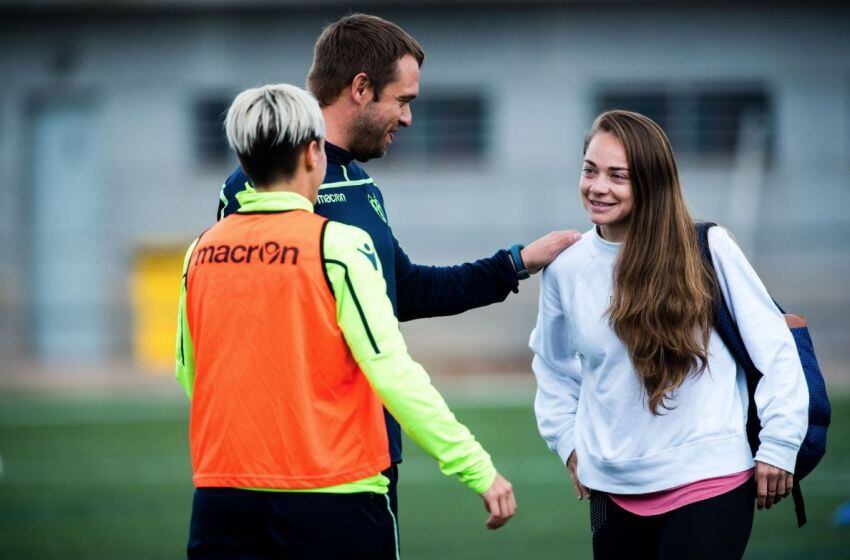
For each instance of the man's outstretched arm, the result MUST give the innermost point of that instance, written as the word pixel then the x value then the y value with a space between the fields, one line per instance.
pixel 437 291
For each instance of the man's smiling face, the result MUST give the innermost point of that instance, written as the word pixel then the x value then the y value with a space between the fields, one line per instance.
pixel 373 129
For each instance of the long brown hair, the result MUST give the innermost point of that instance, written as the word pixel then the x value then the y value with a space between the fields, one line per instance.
pixel 662 302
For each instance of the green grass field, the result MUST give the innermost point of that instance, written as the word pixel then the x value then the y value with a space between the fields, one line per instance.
pixel 110 478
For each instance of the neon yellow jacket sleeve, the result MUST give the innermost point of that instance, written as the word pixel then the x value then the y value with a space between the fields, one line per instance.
pixel 365 315
pixel 185 351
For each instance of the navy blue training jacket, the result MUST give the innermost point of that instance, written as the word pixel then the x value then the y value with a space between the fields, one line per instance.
pixel 350 196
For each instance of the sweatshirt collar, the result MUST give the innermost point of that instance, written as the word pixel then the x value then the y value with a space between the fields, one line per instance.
pixel 604 248
pixel 275 201
pixel 337 155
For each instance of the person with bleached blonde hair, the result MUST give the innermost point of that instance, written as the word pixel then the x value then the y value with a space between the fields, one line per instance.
pixel 288 348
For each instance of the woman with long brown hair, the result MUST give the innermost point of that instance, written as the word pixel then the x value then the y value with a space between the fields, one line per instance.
pixel 636 392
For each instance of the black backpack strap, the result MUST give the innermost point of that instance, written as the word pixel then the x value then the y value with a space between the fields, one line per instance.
pixel 702 238
pixel 724 323
pixel 799 504
pixel 727 329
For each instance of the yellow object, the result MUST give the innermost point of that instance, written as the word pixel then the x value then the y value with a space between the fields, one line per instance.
pixel 154 291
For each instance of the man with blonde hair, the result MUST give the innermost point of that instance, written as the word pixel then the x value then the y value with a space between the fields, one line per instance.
pixel 288 348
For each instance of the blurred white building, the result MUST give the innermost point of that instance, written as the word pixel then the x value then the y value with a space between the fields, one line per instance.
pixel 110 138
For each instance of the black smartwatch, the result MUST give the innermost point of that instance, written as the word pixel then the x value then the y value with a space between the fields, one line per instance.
pixel 516 257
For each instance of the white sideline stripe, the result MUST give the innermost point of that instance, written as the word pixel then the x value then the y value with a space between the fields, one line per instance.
pixel 395 528
pixel 486 402
pixel 96 417
pixel 160 414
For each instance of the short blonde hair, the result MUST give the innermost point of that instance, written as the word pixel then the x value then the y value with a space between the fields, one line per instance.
pixel 268 127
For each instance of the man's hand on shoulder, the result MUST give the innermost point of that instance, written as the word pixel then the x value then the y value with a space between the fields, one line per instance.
pixel 543 251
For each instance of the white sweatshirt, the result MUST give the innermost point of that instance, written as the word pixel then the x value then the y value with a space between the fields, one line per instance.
pixel 589 397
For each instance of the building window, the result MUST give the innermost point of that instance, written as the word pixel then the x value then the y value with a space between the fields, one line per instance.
pixel 208 129
pixel 700 121
pixel 446 127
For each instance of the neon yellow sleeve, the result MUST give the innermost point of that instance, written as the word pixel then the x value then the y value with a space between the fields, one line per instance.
pixel 366 317
pixel 185 351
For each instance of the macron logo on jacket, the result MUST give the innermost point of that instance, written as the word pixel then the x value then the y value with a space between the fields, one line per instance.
pixel 330 198
pixel 369 252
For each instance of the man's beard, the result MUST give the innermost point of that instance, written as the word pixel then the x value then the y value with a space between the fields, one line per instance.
pixel 367 138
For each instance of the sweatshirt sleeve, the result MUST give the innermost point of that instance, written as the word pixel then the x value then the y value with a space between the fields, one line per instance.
pixel 365 315
pixel 782 396
pixel 557 370
pixel 185 351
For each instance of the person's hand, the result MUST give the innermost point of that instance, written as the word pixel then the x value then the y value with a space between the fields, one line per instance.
pixel 772 484
pixel 582 491
pixel 499 502
pixel 543 251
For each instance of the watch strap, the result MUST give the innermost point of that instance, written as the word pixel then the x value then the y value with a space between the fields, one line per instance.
pixel 516 257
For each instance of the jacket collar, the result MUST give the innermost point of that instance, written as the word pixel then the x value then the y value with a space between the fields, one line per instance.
pixel 275 201
pixel 337 155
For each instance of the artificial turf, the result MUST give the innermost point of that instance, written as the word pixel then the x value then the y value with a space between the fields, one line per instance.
pixel 109 477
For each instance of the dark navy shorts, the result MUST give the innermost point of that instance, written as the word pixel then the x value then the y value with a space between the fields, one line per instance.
pixel 229 523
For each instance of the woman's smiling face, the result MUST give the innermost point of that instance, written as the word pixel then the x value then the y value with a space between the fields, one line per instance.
pixel 606 187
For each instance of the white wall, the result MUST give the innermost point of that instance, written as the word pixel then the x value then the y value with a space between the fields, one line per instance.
pixel 540 67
